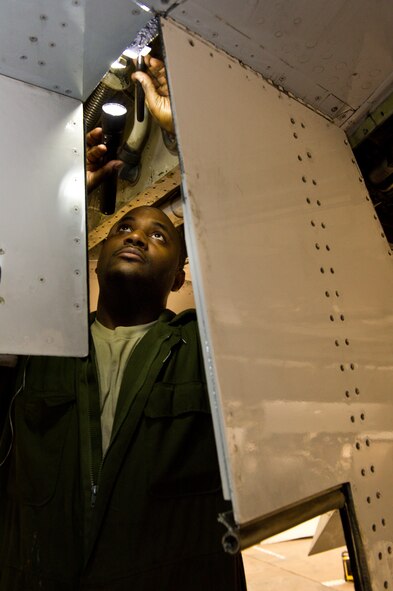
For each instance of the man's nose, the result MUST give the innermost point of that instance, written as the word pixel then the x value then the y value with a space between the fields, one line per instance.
pixel 137 237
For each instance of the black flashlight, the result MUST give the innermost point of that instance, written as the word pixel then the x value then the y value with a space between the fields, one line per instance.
pixel 140 95
pixel 113 120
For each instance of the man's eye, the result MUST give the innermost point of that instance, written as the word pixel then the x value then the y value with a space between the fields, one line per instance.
pixel 158 236
pixel 124 228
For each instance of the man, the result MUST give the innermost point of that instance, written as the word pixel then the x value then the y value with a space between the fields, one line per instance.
pixel 109 475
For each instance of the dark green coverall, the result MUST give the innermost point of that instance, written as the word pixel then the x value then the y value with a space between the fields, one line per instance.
pixel 144 517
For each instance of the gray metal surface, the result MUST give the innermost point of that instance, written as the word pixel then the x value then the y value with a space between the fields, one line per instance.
pixel 294 288
pixel 65 46
pixel 43 287
pixel 337 55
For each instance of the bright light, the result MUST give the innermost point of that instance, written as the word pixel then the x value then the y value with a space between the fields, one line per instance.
pixel 143 6
pixel 118 65
pixel 133 53
pixel 114 109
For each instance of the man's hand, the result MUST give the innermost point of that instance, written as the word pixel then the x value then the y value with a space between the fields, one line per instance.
pixel 96 170
pixel 155 86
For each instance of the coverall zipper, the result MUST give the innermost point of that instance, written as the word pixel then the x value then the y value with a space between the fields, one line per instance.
pixel 95 441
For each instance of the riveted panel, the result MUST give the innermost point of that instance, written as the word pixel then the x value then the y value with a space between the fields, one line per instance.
pixel 43 286
pixel 336 55
pixel 294 287
pixel 65 46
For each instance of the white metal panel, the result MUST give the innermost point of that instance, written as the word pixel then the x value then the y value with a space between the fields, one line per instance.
pixel 43 286
pixel 68 45
pixel 294 287
pixel 337 55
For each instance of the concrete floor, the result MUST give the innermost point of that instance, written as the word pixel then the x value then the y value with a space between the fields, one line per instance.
pixel 286 566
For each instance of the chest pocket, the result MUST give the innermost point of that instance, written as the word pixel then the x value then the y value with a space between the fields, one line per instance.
pixel 42 422
pixel 181 449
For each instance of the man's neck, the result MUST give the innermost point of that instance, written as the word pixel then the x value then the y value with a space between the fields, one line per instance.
pixel 115 313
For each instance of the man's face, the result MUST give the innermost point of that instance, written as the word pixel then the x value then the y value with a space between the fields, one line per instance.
pixel 144 245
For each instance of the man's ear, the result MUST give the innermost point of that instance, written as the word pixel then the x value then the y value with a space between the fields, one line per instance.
pixel 179 280
pixel 101 246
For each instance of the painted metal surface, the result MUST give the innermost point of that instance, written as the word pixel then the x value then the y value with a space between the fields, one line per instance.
pixel 294 288
pixel 337 56
pixel 52 55
pixel 43 286
pixel 65 46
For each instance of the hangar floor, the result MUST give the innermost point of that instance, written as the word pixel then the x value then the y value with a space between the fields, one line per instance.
pixel 286 566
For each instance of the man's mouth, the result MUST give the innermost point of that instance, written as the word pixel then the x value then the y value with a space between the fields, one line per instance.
pixel 131 253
